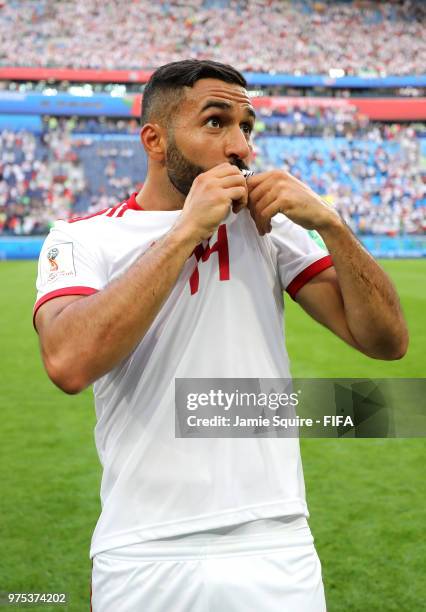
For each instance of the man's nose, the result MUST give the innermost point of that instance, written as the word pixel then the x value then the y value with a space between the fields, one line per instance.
pixel 237 144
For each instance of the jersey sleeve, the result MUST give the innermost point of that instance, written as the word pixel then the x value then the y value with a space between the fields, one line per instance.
pixel 301 254
pixel 66 266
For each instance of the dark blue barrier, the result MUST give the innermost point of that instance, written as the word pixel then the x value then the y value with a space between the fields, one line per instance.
pixel 18 247
pixel 320 80
pixel 16 123
pixel 395 246
pixel 404 247
pixel 64 104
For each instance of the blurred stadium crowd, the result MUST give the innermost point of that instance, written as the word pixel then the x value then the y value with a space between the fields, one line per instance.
pixel 373 174
pixel 301 37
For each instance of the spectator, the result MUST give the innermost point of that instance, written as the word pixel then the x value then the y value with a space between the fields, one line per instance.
pixel 259 35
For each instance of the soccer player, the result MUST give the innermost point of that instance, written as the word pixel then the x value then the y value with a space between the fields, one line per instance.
pixel 185 280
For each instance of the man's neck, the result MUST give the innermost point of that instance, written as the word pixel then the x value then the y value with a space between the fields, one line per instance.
pixel 159 194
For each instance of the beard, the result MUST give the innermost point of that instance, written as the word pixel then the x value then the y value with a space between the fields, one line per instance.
pixel 182 172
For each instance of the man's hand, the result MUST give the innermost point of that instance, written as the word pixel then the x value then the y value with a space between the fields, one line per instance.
pixel 278 191
pixel 210 199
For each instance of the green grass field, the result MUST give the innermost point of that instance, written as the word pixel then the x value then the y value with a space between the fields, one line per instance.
pixel 366 497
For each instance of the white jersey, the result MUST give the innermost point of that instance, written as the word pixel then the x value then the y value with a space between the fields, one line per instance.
pixel 223 319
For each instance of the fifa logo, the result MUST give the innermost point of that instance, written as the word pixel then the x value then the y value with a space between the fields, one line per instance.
pixel 51 256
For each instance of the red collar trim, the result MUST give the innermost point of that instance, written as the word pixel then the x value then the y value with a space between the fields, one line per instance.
pixel 131 202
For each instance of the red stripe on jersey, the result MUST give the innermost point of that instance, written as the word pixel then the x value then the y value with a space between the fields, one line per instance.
pixel 113 210
pixel 123 210
pixel 96 214
pixel 130 204
pixel 307 274
pixel 59 293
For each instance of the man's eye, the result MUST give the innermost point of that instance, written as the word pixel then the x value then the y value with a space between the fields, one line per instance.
pixel 247 128
pixel 213 122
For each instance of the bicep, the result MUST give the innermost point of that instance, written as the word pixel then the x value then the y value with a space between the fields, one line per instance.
pixel 54 333
pixel 48 312
pixel 322 299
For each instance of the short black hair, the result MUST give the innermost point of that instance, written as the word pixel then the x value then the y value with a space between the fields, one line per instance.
pixel 165 88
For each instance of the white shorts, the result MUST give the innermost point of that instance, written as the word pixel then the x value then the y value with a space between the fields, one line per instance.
pixel 264 566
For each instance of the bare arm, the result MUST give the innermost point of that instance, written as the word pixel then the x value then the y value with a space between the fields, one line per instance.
pixel 84 338
pixel 356 300
pixel 370 302
pixel 322 299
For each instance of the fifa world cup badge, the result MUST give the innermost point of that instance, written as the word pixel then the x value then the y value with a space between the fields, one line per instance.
pixel 51 256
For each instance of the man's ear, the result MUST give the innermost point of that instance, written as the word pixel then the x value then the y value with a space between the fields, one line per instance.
pixel 153 139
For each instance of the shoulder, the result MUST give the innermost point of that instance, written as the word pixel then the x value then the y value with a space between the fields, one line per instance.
pixel 96 227
pixel 102 216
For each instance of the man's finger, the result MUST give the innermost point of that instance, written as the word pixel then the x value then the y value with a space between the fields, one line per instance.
pixel 233 180
pixel 238 205
pixel 225 169
pixel 258 192
pixel 262 225
pixel 262 210
pixel 256 179
pixel 237 193
pixel 259 204
pixel 270 211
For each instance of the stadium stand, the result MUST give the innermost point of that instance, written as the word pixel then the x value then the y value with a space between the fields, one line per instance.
pixel 59 175
pixel 301 37
pixel 375 183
